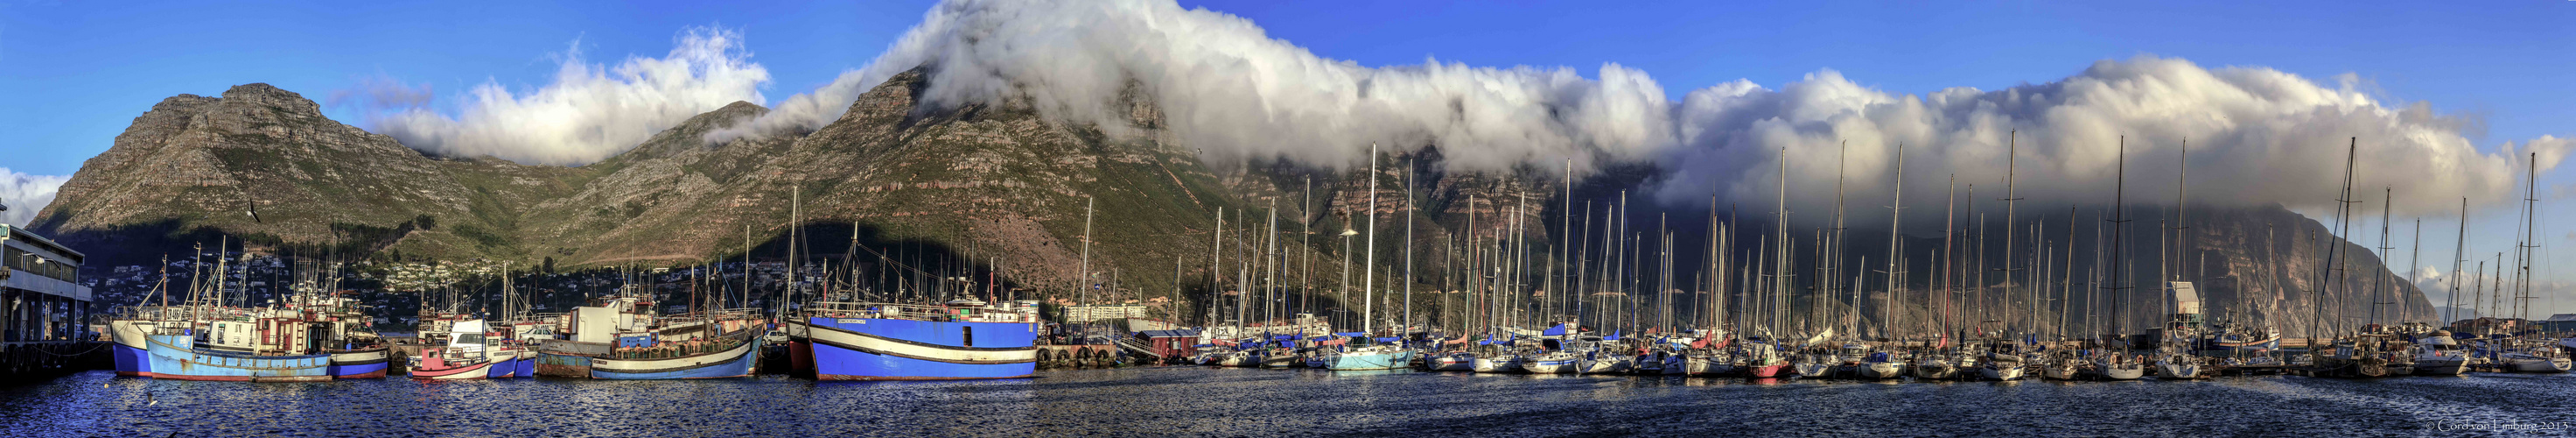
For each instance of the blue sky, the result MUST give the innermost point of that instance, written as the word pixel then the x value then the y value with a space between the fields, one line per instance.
pixel 74 75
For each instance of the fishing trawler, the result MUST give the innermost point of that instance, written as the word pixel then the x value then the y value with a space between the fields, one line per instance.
pixel 962 339
pixel 303 337
pixel 457 349
pixel 622 337
pixel 211 343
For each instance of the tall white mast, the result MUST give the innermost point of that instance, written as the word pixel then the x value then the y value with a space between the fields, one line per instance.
pixel 1082 277
pixel 1368 271
pixel 1895 216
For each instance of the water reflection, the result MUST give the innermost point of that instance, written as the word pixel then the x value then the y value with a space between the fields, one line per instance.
pixel 1217 401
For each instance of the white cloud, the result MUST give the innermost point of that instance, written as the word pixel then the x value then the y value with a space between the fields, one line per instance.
pixel 26 194
pixel 1227 88
pixel 590 112
pixel 2257 136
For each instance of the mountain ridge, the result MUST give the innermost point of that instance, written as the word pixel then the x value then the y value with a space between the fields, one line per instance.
pixel 933 191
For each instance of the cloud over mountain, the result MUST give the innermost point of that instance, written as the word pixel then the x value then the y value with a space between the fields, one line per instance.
pixel 2257 135
pixel 588 113
pixel 1234 92
pixel 1226 88
pixel 25 195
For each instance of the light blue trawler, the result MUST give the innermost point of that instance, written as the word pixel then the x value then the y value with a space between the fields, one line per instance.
pixel 303 337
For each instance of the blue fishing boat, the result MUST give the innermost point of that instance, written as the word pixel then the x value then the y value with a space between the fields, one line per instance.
pixel 365 362
pixel 180 357
pixel 963 339
pixel 308 335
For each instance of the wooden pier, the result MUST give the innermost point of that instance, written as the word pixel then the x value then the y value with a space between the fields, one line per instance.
pixel 44 310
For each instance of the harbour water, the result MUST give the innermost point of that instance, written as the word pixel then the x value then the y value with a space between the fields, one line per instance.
pixel 1196 401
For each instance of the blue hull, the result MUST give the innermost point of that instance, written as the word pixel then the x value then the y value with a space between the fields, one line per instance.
pixel 368 371
pixel 173 357
pixel 836 363
pixel 132 361
pixel 895 349
pixel 527 368
pixel 1376 361
pixel 502 369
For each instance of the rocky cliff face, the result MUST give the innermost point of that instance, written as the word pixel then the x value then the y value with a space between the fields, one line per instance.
pixel 995 189
pixel 263 163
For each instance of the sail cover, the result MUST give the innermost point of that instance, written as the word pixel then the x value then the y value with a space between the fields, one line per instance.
pixel 2186 299
pixel 1559 330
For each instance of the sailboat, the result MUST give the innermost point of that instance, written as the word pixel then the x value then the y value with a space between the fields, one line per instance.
pixel 1556 362
pixel 1930 365
pixel 2061 365
pixel 1501 362
pixel 1369 352
pixel 2535 355
pixel 1882 364
pixel 2174 360
pixel 2001 366
pixel 1450 361
pixel 1885 364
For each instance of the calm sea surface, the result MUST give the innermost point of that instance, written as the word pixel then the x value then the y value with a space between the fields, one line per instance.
pixel 1197 401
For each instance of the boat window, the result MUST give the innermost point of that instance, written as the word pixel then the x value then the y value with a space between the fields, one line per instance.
pixel 469 338
pixel 970 336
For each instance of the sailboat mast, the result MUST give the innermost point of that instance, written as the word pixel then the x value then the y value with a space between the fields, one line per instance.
pixel 2378 276
pixel 1407 327
pixel 1833 258
pixel 2459 255
pixel 1780 219
pixel 2343 204
pixel 2012 157
pixel 2530 233
pixel 2066 277
pixel 1368 270
pixel 1216 265
pixel 1895 218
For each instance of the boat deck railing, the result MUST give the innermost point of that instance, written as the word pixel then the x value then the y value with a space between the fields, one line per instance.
pixel 916 312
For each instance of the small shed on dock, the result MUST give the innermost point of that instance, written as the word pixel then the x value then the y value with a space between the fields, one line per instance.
pixel 1169 343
